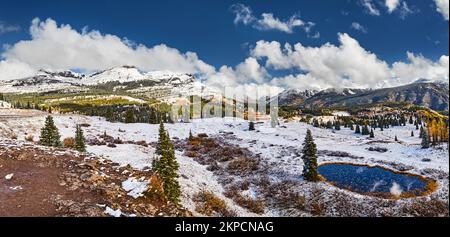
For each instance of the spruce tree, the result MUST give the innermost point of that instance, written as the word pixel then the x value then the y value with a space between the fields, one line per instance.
pixel 357 129
pixel 412 133
pixel 79 140
pixel 251 126
pixel 396 139
pixel 310 159
pixel 425 140
pixel 372 134
pixel 365 130
pixel 50 134
pixel 166 166
pixel 191 137
pixel 337 125
pixel 421 134
pixel 129 117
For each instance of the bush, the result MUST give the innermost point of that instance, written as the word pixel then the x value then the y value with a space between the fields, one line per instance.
pixel 243 165
pixel 209 204
pixel 29 138
pixel 156 189
pixel 69 142
pixel 13 136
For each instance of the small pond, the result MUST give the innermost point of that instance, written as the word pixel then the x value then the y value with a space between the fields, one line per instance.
pixel 374 181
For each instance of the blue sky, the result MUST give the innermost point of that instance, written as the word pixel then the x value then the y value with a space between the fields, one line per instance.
pixel 210 29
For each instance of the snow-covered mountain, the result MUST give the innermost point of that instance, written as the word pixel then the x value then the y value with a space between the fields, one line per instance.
pixel 47 80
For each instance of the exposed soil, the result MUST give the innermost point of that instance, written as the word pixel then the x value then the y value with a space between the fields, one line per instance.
pixel 48 182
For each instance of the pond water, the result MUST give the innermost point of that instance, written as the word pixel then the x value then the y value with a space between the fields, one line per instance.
pixel 372 180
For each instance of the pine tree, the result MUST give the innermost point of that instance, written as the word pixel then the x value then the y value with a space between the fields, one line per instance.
pixel 251 126
pixel 49 134
pixel 396 139
pixel 425 140
pixel 329 125
pixel 79 140
pixel 310 159
pixel 166 166
pixel 191 137
pixel 372 134
pixel 129 117
pixel 337 125
pixel 412 133
pixel 357 129
pixel 365 130
pixel 421 134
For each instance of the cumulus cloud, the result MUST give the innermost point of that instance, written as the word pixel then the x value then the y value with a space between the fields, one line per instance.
pixel 346 65
pixel 6 28
pixel 12 69
pixel 419 67
pixel 268 21
pixel 357 26
pixel 442 7
pixel 61 47
pixel 392 5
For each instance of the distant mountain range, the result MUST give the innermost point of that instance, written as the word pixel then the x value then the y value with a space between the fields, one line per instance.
pixel 434 95
pixel 158 84
pixel 126 77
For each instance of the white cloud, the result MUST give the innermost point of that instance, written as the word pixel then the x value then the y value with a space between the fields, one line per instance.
pixel 442 7
pixel 249 71
pixel 268 21
pixel 13 69
pixel 419 67
pixel 359 27
pixel 5 28
pixel 61 47
pixel 392 5
pixel 346 65
pixel 370 7
pixel 243 14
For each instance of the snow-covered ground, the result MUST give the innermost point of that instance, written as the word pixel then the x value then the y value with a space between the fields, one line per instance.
pixel 276 146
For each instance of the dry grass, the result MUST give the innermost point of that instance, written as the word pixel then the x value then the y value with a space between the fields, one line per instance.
pixel 209 204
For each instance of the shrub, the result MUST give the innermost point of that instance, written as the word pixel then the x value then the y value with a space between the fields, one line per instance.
pixel 69 142
pixel 156 189
pixel 243 165
pixel 13 136
pixel 29 138
pixel 209 204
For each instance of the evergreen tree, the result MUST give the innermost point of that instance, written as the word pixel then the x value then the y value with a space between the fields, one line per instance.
pixel 329 125
pixel 50 134
pixel 425 140
pixel 337 125
pixel 357 129
pixel 365 130
pixel 421 134
pixel 412 133
pixel 191 137
pixel 129 117
pixel 166 166
pixel 79 140
pixel 310 159
pixel 411 121
pixel 372 134
pixel 396 139
pixel 251 126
